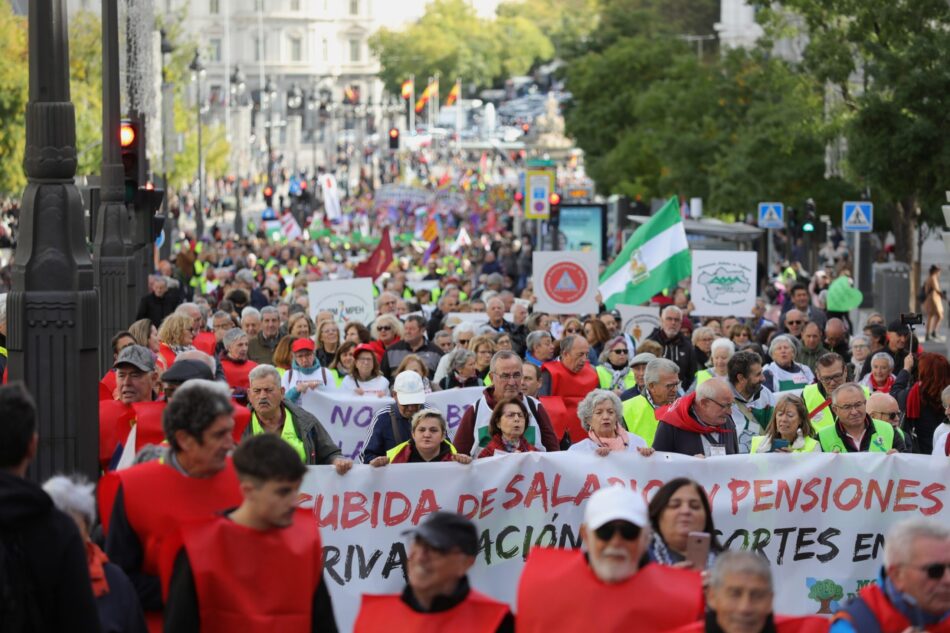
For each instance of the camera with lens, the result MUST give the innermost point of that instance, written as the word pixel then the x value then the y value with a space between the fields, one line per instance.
pixel 912 319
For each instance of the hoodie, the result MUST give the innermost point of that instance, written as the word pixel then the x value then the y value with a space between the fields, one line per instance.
pixel 680 431
pixel 52 551
pixel 678 349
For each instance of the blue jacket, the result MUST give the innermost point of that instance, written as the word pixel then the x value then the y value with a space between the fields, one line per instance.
pixel 381 437
pixel 859 612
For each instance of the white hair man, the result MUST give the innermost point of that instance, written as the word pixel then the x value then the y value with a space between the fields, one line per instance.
pixel 676 346
pixel 912 592
pixel 615 535
pixel 700 423
pixel 660 385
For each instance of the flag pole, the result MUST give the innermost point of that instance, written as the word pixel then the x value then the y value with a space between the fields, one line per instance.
pixel 412 104
pixel 458 114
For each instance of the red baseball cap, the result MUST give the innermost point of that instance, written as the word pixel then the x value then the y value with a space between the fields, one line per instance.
pixel 363 347
pixel 302 344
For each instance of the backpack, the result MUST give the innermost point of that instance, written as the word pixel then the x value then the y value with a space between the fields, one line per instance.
pixel 19 609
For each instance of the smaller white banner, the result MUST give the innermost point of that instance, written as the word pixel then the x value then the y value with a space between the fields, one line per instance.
pixel 724 283
pixel 565 282
pixel 348 300
pixel 639 321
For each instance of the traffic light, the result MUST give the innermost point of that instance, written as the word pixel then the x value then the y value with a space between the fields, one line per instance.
pixel 268 195
pixel 808 226
pixel 554 202
pixel 394 138
pixel 132 145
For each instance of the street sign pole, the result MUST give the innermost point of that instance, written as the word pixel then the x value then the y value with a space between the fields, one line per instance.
pixel 770 236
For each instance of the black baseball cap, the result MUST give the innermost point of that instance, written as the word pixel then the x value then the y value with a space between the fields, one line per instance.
pixel 445 531
pixel 897 326
pixel 185 370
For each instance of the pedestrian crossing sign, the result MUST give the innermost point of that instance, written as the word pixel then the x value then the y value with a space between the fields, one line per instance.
pixel 771 215
pixel 857 217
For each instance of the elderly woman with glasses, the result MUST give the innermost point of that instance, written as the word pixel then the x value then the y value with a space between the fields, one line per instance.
pixel 601 415
pixel 386 331
pixel 614 370
pixel 789 430
pixel 783 373
pixel 506 428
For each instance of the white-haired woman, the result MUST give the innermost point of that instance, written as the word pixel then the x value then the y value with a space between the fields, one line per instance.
pixel 601 415
pixel 721 350
pixel 881 377
pixel 783 373
pixel 386 331
pixel 116 599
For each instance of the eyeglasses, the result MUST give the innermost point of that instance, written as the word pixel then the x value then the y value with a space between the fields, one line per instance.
pixel 383 328
pixel 464 341
pixel 723 406
pixel 854 406
pixel 507 377
pixel 832 378
pixel 572 330
pixel 794 322
pixel 934 571
pixel 883 415
pixel 619 351
pixel 628 531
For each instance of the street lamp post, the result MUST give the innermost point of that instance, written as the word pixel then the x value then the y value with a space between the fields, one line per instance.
pixel 237 93
pixel 168 129
pixel 52 311
pixel 197 71
pixel 294 106
pixel 313 113
pixel 270 93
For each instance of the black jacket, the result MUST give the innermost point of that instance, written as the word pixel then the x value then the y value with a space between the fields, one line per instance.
pixel 155 309
pixel 923 427
pixel 678 349
pixel 41 543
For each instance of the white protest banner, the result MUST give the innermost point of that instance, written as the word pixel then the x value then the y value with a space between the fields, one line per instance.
pixel 565 282
pixel 724 283
pixel 331 196
pixel 476 318
pixel 639 321
pixel 820 519
pixel 348 300
pixel 347 417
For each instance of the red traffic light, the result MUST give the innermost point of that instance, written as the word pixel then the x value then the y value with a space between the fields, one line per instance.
pixel 394 133
pixel 268 191
pixel 555 199
pixel 126 135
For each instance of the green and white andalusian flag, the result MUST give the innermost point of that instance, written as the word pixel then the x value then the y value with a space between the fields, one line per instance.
pixel 656 257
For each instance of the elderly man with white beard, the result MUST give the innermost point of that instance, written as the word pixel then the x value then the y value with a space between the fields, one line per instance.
pixel 558 586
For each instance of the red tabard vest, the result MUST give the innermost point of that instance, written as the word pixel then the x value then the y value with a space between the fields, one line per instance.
pixel 115 422
pixel 167 354
pixel 890 619
pixel 158 499
pixel 236 373
pixel 148 420
pixel 567 391
pixel 557 586
pixel 476 614
pixel 205 342
pixel 229 561
pixel 107 386
pixel 783 624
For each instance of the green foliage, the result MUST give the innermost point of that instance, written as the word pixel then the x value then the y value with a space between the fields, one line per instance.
pixel 451 41
pixel 565 23
pixel 825 590
pixel 85 85
pixel 14 93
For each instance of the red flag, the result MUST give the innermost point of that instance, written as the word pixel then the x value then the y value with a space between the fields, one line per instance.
pixel 379 261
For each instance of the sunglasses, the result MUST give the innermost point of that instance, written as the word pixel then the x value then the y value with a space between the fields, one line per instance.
pixel 794 322
pixel 383 328
pixel 881 415
pixel 935 571
pixel 628 531
pixel 619 351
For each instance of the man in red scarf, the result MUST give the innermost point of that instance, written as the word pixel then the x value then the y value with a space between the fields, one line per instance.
pixel 700 423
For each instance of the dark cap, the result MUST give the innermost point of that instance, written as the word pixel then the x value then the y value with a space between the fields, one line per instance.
pixel 446 531
pixel 897 326
pixel 137 356
pixel 187 369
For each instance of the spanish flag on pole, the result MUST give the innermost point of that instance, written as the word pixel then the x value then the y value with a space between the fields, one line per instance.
pixel 407 88
pixel 454 93
pixel 430 90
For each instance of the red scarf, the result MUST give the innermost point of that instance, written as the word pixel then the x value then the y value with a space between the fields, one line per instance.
pixel 913 402
pixel 679 415
pixel 885 388
pixel 96 559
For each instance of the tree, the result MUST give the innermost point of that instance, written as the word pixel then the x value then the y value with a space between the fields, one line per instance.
pixel 889 63
pixel 14 94
pixel 85 85
pixel 565 23
pixel 824 591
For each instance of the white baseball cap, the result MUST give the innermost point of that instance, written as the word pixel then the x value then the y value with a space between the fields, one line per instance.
pixel 615 503
pixel 409 388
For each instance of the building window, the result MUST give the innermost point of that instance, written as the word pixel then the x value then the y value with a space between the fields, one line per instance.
pixel 214 7
pixel 260 49
pixel 295 5
pixel 355 51
pixel 215 49
pixel 354 7
pixel 326 50
pixel 296 49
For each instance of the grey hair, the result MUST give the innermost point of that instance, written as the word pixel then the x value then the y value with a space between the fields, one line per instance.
pixel 669 309
pixel 884 356
pixel 945 396
pixel 657 366
pixel 233 335
pixel 860 337
pixel 782 338
pixel 466 327
pixel 250 311
pixel 709 390
pixel 848 386
pixel 73 495
pixel 700 332
pixel 458 358
pixel 499 356
pixel 723 343
pixel 184 307
pixel 220 314
pixel 567 343
pixel 387 319
pixel 383 295
pixel 264 371
pixel 585 410
pixel 535 338
pixel 442 334
pixel 900 539
pixel 743 563
pixel 268 310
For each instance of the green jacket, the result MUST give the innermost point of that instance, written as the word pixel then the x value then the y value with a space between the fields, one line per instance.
pixel 882 439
